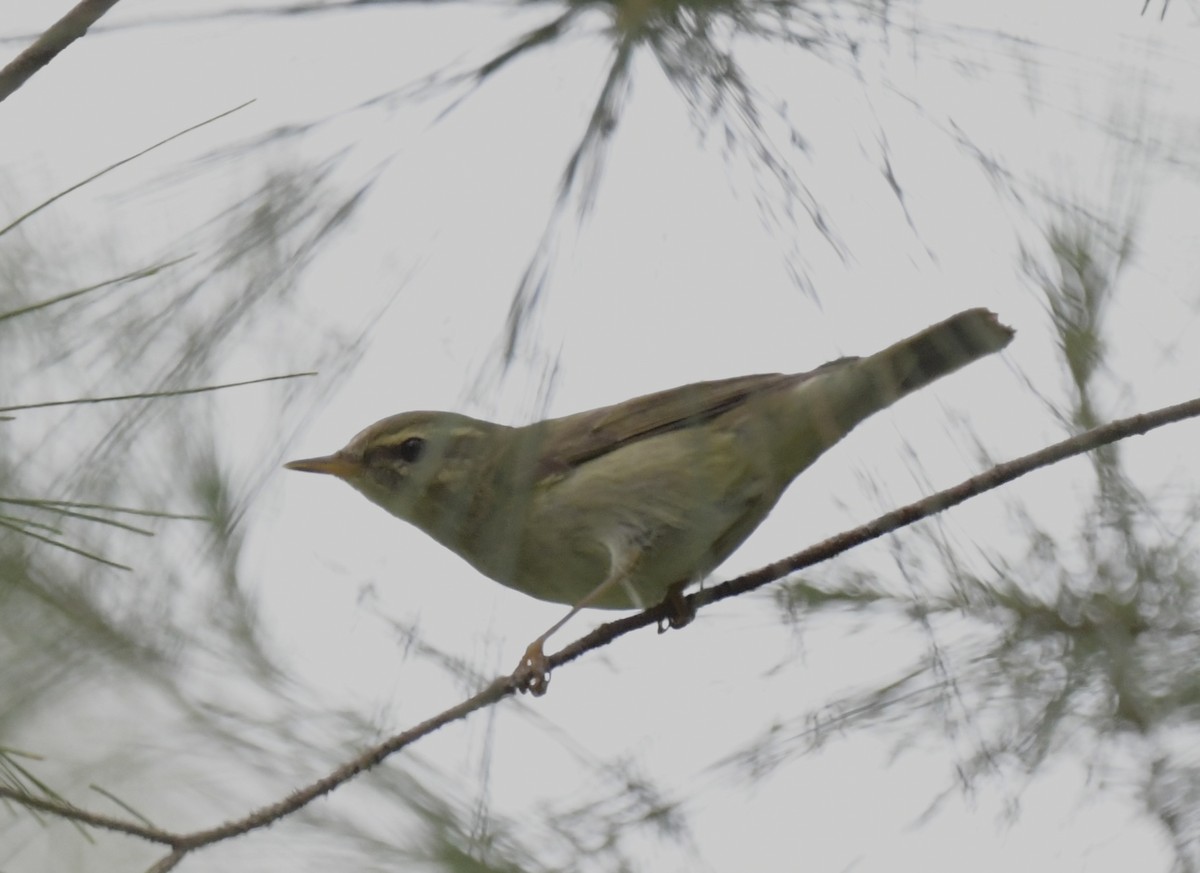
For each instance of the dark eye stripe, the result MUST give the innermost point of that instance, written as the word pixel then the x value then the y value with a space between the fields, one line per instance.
pixel 408 451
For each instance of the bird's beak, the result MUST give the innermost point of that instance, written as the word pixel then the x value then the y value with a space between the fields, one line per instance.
pixel 336 464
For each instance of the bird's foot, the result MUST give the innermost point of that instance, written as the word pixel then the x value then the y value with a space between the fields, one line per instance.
pixel 533 673
pixel 682 612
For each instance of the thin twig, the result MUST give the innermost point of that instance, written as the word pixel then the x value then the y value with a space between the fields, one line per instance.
pixel 168 862
pixel 147 394
pixel 104 792
pixel 111 167
pixel 143 273
pixel 45 503
pixel 25 531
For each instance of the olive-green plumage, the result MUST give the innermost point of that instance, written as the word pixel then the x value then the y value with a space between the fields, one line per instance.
pixel 646 495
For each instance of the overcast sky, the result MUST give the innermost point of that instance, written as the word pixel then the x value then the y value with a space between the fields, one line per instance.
pixel 683 270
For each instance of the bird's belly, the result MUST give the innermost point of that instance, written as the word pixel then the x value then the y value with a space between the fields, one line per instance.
pixel 668 526
pixel 567 576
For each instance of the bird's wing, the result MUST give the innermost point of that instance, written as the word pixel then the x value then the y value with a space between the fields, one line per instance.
pixel 587 435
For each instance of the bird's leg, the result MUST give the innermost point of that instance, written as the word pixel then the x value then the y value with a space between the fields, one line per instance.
pixel 533 674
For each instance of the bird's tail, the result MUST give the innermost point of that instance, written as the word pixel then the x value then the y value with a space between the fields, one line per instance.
pixel 827 406
pixel 937 351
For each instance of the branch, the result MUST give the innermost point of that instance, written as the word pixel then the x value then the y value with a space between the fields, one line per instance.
pixel 70 812
pixel 506 686
pixel 181 844
pixel 57 37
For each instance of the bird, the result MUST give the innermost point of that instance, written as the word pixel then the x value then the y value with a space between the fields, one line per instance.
pixel 624 506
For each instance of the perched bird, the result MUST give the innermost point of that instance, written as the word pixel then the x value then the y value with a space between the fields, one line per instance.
pixel 621 507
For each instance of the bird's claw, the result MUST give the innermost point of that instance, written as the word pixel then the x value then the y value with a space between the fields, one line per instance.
pixel 533 673
pixel 681 614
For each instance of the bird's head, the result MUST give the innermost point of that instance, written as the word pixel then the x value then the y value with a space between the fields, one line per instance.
pixel 423 467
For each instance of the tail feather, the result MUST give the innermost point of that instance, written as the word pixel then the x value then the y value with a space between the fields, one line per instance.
pixel 943 348
pixel 834 399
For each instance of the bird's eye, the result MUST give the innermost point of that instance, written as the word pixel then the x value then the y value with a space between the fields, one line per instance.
pixel 411 449
pixel 407 452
